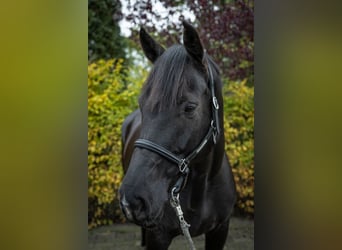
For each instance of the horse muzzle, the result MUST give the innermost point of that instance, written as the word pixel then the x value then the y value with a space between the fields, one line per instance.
pixel 137 210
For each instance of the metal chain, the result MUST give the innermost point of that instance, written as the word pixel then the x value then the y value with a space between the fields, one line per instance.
pixel 174 201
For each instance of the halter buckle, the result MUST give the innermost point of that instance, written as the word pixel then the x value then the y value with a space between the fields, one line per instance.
pixel 183 165
pixel 213 125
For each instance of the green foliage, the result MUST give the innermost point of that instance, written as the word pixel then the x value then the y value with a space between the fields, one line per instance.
pixel 110 100
pixel 104 40
pixel 239 132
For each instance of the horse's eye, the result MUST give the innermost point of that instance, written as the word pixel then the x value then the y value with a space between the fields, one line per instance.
pixel 189 108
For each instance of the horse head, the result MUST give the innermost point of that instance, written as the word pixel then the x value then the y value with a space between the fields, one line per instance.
pixel 180 123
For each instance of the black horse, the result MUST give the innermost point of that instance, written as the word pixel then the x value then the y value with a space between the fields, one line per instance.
pixel 174 145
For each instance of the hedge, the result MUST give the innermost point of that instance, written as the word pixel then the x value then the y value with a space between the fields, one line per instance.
pixel 110 100
pixel 113 92
pixel 239 132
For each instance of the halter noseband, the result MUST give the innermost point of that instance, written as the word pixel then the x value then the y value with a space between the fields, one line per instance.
pixel 183 163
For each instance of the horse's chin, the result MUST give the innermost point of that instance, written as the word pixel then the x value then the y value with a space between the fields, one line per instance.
pixel 150 225
pixel 152 222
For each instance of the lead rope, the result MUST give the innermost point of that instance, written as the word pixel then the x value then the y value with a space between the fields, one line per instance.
pixel 174 201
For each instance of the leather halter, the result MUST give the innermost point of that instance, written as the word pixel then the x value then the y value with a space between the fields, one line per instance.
pixel 183 163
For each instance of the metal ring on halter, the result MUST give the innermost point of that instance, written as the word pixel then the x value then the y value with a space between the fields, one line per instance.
pixel 215 103
pixel 174 198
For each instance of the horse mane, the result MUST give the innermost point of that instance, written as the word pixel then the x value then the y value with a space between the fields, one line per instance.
pixel 166 82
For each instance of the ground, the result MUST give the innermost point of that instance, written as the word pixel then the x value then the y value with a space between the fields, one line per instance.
pixel 127 237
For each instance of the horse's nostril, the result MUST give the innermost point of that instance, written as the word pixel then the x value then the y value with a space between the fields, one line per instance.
pixel 140 209
pixel 141 204
pixel 135 209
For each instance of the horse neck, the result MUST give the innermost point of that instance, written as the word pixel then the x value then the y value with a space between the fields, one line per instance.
pixel 200 179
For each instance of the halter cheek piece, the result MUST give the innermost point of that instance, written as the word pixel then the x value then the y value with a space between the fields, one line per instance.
pixel 183 163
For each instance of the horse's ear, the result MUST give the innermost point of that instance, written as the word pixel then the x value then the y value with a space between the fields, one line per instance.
pixel 151 48
pixel 192 42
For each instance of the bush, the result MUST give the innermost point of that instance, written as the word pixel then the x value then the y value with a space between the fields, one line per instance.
pixel 110 100
pixel 239 132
